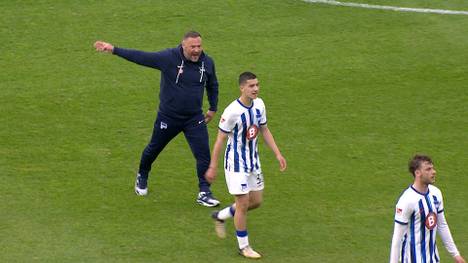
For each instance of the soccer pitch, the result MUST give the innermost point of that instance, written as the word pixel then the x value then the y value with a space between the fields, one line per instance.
pixel 351 95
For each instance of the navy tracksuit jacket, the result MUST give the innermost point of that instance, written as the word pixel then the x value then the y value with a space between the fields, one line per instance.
pixel 182 87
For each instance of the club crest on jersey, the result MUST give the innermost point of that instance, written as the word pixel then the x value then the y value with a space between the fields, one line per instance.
pixel 431 220
pixel 252 132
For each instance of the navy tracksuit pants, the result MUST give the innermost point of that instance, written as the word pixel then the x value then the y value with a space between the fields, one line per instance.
pixel 196 133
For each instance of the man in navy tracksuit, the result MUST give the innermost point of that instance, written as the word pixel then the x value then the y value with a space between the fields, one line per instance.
pixel 185 73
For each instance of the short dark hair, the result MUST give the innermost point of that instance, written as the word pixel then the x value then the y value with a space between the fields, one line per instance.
pixel 192 34
pixel 415 162
pixel 244 76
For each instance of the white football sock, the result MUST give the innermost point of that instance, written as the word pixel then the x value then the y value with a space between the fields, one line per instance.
pixel 242 239
pixel 226 213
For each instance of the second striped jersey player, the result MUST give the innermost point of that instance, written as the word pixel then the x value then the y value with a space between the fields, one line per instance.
pixel 419 216
pixel 242 124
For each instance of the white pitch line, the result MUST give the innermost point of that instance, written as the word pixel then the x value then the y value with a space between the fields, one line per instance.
pixel 386 7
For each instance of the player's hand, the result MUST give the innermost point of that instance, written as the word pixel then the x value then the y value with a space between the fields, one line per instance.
pixel 459 259
pixel 282 162
pixel 210 174
pixel 209 116
pixel 103 47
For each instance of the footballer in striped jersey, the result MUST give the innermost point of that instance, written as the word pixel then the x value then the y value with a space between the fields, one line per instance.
pixel 241 123
pixel 419 216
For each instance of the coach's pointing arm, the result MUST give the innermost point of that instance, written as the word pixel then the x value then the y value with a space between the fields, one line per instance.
pixel 148 59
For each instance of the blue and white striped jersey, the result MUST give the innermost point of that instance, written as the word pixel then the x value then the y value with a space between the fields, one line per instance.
pixel 242 125
pixel 419 212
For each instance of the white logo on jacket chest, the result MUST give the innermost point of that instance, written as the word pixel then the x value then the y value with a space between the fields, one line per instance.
pixel 202 70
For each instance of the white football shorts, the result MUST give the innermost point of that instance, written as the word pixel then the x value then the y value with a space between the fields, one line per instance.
pixel 243 183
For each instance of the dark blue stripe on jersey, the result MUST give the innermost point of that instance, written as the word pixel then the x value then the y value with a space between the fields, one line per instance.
pixel 437 202
pixel 251 142
pixel 431 245
pixel 228 148
pixel 429 204
pixel 435 252
pixel 401 223
pixel 256 141
pixel 422 213
pixel 251 155
pixel 236 154
pixel 431 232
pixel 413 241
pixel 244 140
pixel 256 155
pixel 403 248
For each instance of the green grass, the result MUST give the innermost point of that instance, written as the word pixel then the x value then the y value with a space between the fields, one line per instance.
pixel 351 94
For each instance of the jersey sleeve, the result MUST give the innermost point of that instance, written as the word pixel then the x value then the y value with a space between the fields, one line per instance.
pixel 403 211
pixel 227 121
pixel 439 203
pixel 398 233
pixel 263 119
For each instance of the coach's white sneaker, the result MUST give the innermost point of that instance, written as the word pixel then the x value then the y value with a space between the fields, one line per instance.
pixel 141 185
pixel 207 199
pixel 220 228
pixel 248 252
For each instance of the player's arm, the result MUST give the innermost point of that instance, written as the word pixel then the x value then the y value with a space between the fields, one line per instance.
pixel 270 142
pixel 212 94
pixel 444 232
pixel 210 174
pixel 148 59
pixel 403 212
pixel 398 233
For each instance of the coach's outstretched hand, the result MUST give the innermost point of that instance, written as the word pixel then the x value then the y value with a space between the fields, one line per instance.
pixel 103 47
